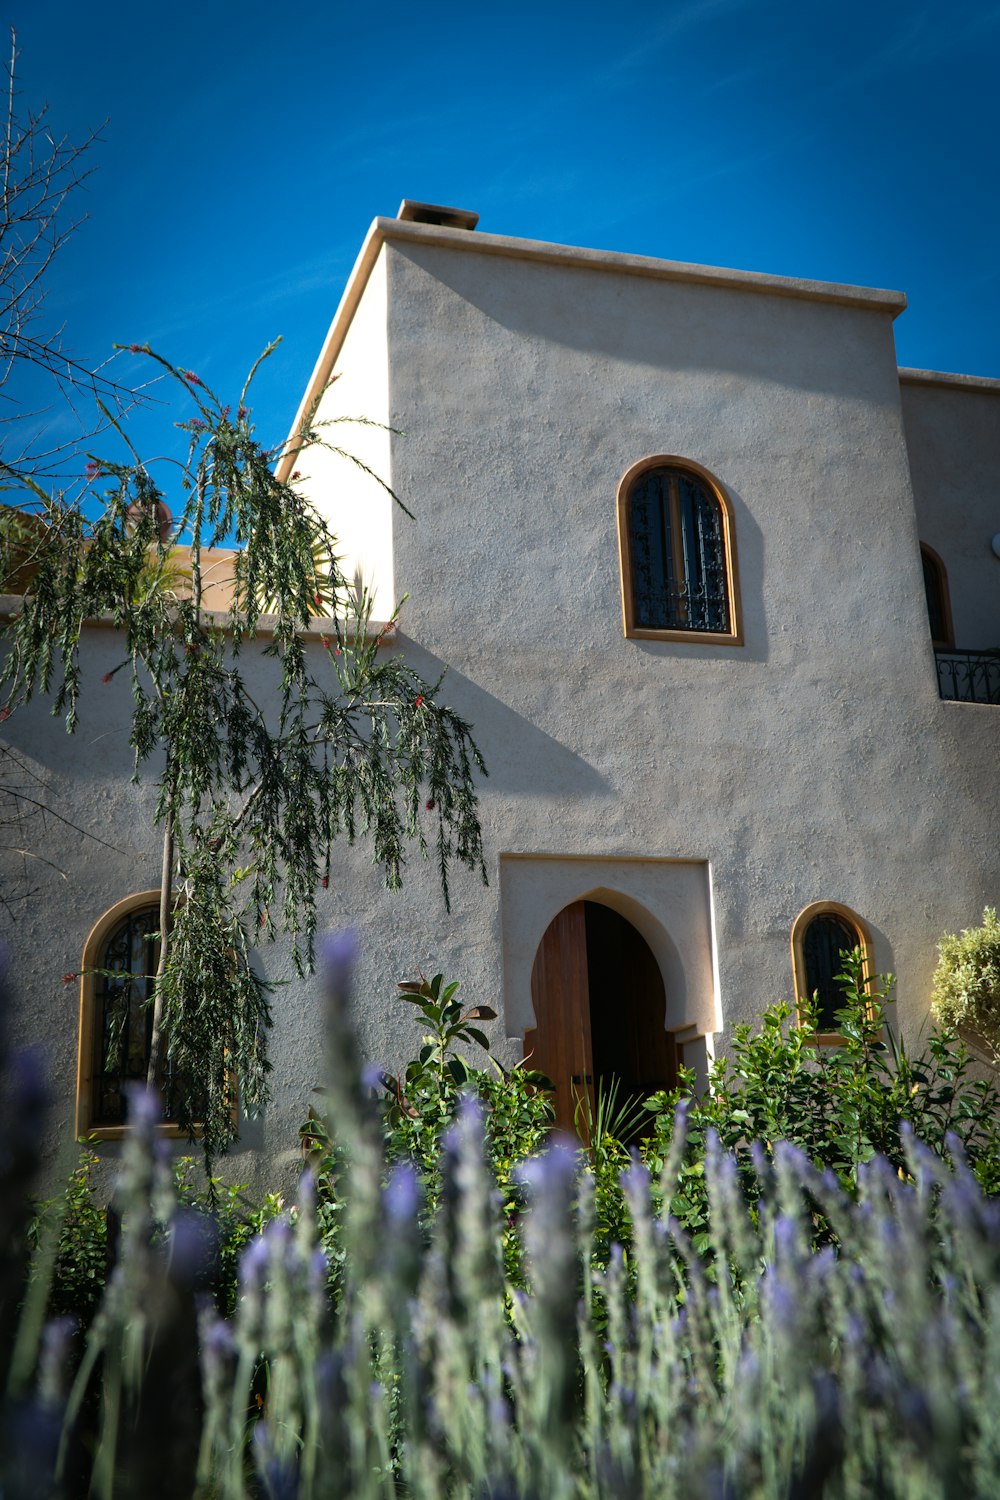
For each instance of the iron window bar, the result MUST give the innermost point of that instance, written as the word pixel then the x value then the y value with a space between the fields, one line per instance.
pixel 969 676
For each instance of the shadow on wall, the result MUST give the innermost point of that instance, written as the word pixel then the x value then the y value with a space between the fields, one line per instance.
pixel 519 756
pixel 817 347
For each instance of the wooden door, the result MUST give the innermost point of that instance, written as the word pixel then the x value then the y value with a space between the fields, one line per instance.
pixel 627 1007
pixel 559 1044
pixel 600 1010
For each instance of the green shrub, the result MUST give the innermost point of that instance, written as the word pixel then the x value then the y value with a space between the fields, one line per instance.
pixel 966 989
pixel 841 1105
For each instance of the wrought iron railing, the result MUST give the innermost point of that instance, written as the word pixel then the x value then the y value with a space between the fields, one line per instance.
pixel 969 676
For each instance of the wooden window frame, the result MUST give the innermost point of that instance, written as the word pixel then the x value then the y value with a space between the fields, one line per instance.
pixel 947 641
pixel 732 637
pixel 799 928
pixel 93 952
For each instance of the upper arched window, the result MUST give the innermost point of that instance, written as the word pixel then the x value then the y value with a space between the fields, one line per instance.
pixel 116 982
pixel 938 600
pixel 678 554
pixel 823 935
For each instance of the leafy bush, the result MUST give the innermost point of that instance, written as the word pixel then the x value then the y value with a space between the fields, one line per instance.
pixel 841 1105
pixel 86 1232
pixel 966 989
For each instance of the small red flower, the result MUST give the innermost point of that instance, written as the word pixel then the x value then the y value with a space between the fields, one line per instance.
pixel 296 474
pixel 135 348
pixel 92 467
pixel 225 412
pixel 68 978
pixel 4 713
pixel 190 375
pixel 430 804
pixel 106 677
pixel 418 702
pixel 197 425
pixel 324 881
pixel 325 643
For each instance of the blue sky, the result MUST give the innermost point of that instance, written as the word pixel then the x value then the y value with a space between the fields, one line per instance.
pixel 248 147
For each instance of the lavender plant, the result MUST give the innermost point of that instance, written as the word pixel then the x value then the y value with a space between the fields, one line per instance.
pixel 761 1369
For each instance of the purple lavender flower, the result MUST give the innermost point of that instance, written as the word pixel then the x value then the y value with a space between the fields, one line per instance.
pixel 401 1198
pixel 253 1264
pixel 144 1112
pixel 338 956
pixel 280 1475
pixel 319 1267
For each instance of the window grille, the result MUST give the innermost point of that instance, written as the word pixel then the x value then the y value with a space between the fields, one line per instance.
pixel 678 554
pixel 828 940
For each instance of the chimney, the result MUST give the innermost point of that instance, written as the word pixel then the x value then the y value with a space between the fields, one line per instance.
pixel 435 213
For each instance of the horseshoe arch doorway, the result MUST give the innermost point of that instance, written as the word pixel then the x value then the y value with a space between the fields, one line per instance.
pixel 600 1009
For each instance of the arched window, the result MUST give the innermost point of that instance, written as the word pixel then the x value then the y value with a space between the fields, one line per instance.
pixel 678 555
pixel 823 935
pixel 938 600
pixel 116 1020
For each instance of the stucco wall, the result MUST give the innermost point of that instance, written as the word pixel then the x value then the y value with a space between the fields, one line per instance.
pixel 340 473
pixel 817 761
pixel 953 437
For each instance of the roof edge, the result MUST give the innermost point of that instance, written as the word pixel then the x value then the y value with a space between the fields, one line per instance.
pixel 384 231
pixel 985 383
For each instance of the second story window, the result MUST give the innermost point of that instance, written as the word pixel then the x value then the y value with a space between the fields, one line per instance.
pixel 678 554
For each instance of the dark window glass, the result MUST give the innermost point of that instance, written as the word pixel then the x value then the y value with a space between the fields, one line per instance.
pixel 124 1016
pixel 934 590
pixel 828 939
pixel 677 552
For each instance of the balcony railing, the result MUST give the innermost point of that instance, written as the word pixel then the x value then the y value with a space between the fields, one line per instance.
pixel 969 676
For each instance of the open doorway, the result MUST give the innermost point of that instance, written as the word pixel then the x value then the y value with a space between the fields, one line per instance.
pixel 600 1009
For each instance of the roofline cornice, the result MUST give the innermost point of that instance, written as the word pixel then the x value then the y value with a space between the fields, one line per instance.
pixel 399 231
pixel 982 383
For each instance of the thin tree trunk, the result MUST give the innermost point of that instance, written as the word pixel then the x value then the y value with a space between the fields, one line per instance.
pixel 166 875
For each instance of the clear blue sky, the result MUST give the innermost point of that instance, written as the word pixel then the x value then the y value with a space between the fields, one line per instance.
pixel 248 147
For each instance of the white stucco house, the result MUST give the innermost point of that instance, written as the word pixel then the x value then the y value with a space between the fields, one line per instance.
pixel 715 584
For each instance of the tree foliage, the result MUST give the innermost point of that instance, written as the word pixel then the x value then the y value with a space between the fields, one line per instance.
pixel 266 746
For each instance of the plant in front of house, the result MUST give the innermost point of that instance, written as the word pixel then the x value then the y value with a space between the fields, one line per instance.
pixel 966 993
pixel 841 1105
pixel 264 749
pixel 866 1367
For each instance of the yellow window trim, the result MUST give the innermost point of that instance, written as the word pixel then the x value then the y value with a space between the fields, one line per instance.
pixel 93 950
pixel 799 926
pixel 688 637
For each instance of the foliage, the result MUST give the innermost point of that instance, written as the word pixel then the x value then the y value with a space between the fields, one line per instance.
pixel 868 1367
pixel 841 1105
pixel 251 797
pixel 82 1256
pixel 419 1107
pixel 966 989
pixel 85 1249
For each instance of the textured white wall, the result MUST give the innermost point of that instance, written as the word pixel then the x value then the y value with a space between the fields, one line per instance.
pixel 953 437
pixel 815 762
pixel 356 507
